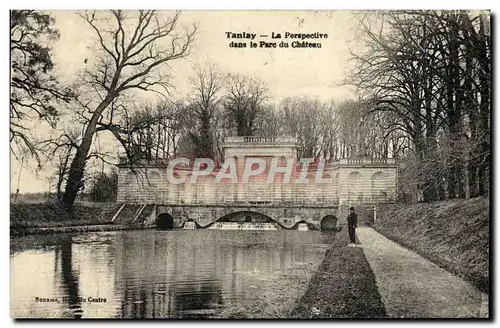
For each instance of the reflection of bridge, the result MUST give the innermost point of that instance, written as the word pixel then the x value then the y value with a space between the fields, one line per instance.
pixel 330 189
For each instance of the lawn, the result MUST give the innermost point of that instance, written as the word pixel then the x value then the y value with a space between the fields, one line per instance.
pixel 344 287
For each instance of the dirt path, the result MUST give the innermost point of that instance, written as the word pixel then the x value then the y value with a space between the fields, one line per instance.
pixel 413 287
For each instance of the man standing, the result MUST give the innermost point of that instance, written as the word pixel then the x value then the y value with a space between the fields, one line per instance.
pixel 352 222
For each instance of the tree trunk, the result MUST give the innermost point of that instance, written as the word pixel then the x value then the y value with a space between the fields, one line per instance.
pixel 454 101
pixel 484 110
pixel 77 166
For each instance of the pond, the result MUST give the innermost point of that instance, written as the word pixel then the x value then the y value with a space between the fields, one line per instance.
pixel 157 274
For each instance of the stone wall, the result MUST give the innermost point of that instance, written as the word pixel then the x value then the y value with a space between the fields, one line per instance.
pixel 366 185
pixel 345 185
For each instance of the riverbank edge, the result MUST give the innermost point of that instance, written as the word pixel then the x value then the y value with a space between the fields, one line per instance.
pixel 18 232
pixel 46 218
pixel 343 287
pixel 453 234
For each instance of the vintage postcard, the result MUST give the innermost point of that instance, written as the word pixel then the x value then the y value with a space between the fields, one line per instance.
pixel 250 164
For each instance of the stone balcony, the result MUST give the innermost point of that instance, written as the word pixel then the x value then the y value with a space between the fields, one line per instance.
pixel 366 162
pixel 261 140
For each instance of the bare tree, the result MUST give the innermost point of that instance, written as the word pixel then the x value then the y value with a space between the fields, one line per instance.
pixel 148 133
pixel 207 83
pixel 131 52
pixel 302 120
pixel 244 102
pixel 429 70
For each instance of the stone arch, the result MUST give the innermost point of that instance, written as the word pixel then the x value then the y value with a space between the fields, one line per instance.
pixel 165 221
pixel 379 175
pixel 245 216
pixel 354 176
pixel 329 222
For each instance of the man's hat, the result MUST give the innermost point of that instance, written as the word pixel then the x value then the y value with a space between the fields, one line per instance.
pixel 351 208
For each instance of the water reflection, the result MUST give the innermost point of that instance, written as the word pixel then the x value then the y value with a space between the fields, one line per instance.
pixel 69 277
pixel 152 274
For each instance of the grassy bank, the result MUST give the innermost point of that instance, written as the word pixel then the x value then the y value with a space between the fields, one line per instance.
pixel 40 217
pixel 340 286
pixel 343 287
pixel 453 234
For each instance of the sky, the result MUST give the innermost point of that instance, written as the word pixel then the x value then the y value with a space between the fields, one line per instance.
pixel 315 72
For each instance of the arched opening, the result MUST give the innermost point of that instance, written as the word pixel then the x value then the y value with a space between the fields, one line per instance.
pixel 329 223
pixel 246 220
pixel 246 216
pixel 165 221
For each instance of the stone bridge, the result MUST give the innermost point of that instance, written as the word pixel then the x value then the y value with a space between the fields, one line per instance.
pixel 320 198
pixel 316 217
pixel 174 216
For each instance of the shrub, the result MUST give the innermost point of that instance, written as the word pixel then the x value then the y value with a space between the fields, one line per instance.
pixel 103 187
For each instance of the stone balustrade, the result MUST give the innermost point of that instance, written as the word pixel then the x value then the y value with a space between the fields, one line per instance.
pixel 278 140
pixel 364 161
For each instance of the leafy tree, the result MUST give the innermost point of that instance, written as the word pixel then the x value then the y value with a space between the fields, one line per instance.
pixel 34 90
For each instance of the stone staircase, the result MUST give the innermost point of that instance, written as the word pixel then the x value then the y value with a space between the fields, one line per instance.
pixel 132 214
pixel 146 211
